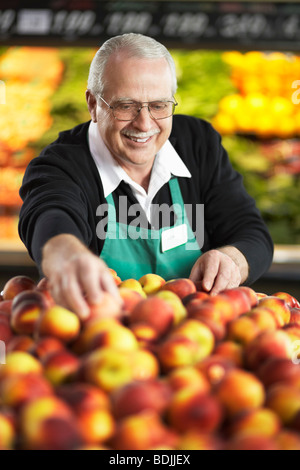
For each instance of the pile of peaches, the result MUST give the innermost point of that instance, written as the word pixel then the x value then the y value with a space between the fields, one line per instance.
pixel 171 368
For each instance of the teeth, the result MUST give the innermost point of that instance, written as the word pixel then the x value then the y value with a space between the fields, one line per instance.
pixel 136 139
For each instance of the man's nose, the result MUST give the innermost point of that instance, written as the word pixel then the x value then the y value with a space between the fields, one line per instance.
pixel 144 119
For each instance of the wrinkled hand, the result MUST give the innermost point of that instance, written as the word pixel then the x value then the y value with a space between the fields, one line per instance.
pixel 220 269
pixel 77 278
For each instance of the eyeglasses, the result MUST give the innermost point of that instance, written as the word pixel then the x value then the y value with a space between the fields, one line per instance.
pixel 129 110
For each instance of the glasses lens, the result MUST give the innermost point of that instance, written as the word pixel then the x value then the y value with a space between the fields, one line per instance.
pixel 161 109
pixel 128 111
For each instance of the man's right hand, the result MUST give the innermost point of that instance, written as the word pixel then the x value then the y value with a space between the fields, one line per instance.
pixel 77 278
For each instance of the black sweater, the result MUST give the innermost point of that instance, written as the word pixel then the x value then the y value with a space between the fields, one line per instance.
pixel 62 189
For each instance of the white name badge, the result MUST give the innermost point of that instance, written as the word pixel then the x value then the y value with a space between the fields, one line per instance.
pixel 174 237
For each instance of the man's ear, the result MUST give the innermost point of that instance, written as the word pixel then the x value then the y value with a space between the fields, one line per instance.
pixel 92 104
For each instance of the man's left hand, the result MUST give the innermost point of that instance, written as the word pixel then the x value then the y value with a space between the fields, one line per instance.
pixel 220 269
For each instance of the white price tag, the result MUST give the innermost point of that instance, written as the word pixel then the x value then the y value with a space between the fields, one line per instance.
pixel 174 237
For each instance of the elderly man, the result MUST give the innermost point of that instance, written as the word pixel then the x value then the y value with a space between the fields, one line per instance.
pixel 83 193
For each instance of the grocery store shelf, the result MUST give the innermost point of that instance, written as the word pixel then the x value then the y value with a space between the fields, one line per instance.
pixel 286 254
pixel 14 253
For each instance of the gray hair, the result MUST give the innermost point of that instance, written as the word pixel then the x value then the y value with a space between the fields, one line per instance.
pixel 136 45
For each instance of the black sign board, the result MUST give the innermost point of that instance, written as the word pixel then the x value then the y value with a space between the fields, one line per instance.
pixel 187 24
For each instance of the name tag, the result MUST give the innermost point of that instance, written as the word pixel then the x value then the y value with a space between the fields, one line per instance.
pixel 174 237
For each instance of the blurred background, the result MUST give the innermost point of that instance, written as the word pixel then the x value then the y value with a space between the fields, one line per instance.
pixel 238 67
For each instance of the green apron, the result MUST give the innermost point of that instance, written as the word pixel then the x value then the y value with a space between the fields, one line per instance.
pixel 134 251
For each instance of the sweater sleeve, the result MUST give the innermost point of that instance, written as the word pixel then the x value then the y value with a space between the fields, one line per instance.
pixel 54 202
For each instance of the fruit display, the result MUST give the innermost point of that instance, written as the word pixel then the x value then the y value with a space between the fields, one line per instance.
pixel 29 76
pixel 171 368
pixel 266 101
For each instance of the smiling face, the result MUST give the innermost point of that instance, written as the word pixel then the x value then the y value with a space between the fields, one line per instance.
pixel 133 144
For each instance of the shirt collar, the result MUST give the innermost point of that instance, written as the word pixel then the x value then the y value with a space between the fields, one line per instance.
pixel 166 164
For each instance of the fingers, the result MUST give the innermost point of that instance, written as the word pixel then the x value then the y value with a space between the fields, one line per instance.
pixel 216 271
pixel 81 283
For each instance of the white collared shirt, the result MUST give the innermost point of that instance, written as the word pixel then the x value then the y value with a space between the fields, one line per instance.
pixel 167 163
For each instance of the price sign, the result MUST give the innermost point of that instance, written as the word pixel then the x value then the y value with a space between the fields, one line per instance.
pixel 189 23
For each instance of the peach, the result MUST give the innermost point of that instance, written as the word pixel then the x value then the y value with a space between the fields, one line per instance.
pixel 204 309
pixel 217 328
pixel 198 332
pixel 4 318
pixel 134 285
pixel 144 364
pixel 95 425
pixel 44 287
pixel 60 367
pixel 106 368
pixel 172 299
pixel 288 298
pixel 193 297
pixel 130 299
pixel 181 287
pixel 6 333
pixel 46 345
pixel 188 377
pixel 261 421
pixel 278 306
pixel 232 351
pixel 16 390
pixel 284 400
pixel 21 343
pixel 143 431
pixel 293 330
pixel 261 295
pixel 251 295
pixel 267 344
pixel 263 318
pixel 239 391
pixel 47 423
pixel 146 335
pixel 197 440
pixel 20 362
pixel 118 337
pixel 7 432
pixel 214 368
pixel 239 299
pixel 190 409
pixel 242 330
pixel 82 396
pixel 252 442
pixel 90 329
pixel 114 274
pixel 279 370
pixel 177 351
pixel 17 284
pixel 60 323
pixel 151 283
pixel 27 308
pixel 288 439
pixel 153 311
pixel 137 396
pixel 295 315
pixel 5 307
pixel 108 307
